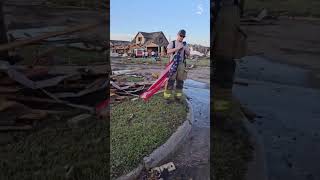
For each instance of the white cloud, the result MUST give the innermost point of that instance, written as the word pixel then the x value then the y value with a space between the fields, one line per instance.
pixel 199 9
pixel 119 36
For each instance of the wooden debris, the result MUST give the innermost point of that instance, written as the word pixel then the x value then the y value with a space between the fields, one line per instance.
pixel 34 115
pixel 9 89
pixel 84 46
pixel 87 108
pixel 16 128
pixel 30 99
pixel 93 88
pixel 121 72
pixel 4 104
pixel 79 120
pixel 21 87
pixel 21 43
pixel 24 80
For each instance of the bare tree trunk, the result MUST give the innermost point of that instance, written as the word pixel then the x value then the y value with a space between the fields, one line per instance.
pixel 3 32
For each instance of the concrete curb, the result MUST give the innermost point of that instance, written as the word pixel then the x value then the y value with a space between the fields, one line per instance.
pixel 134 174
pixel 166 149
pixel 257 168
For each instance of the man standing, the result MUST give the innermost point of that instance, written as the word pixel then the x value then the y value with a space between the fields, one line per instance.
pixel 177 47
pixel 146 54
pixel 226 48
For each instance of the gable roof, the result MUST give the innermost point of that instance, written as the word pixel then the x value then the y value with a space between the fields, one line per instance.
pixel 156 37
pixel 120 43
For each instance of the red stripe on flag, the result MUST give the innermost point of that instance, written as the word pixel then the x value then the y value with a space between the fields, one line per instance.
pixel 158 84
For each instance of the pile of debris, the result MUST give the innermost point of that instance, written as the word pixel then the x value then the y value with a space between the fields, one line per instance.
pixel 262 18
pixel 29 95
pixel 123 89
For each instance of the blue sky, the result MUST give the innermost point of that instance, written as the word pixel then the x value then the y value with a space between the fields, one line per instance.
pixel 127 17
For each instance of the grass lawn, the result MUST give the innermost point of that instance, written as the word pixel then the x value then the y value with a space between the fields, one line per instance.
pixel 232 150
pixel 164 60
pixel 203 62
pixel 293 7
pixel 57 151
pixel 137 128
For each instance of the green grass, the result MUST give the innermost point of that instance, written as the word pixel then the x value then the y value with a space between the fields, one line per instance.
pixel 204 62
pixel 47 153
pixel 293 7
pixel 163 61
pixel 62 55
pixel 134 79
pixel 232 150
pixel 137 128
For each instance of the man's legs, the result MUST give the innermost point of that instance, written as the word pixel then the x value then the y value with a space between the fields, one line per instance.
pixel 168 92
pixel 223 77
pixel 180 80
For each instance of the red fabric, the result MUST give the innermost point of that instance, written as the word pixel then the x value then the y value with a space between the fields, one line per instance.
pixel 102 105
pixel 158 84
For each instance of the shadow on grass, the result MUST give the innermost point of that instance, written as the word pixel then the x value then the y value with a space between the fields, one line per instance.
pixel 232 149
pixel 57 152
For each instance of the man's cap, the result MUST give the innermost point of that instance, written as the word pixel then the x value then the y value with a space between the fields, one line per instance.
pixel 182 32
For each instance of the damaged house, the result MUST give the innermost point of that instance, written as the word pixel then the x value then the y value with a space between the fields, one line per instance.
pixel 120 47
pixel 153 41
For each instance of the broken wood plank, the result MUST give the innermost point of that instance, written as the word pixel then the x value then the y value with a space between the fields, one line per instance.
pixel 5 104
pixel 121 72
pixel 96 83
pixel 24 80
pixel 34 115
pixel 90 109
pixel 16 128
pixel 137 90
pixel 21 43
pixel 50 112
pixel 118 87
pixel 30 99
pixel 9 89
pixel 83 92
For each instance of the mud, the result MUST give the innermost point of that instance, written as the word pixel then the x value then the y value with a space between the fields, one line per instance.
pixel 192 159
pixel 288 104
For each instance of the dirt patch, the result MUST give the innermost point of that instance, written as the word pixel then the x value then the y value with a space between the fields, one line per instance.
pixel 298 47
pixel 199 72
pixel 288 7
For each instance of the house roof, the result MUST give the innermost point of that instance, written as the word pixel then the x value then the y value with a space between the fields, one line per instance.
pixel 120 43
pixel 154 37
